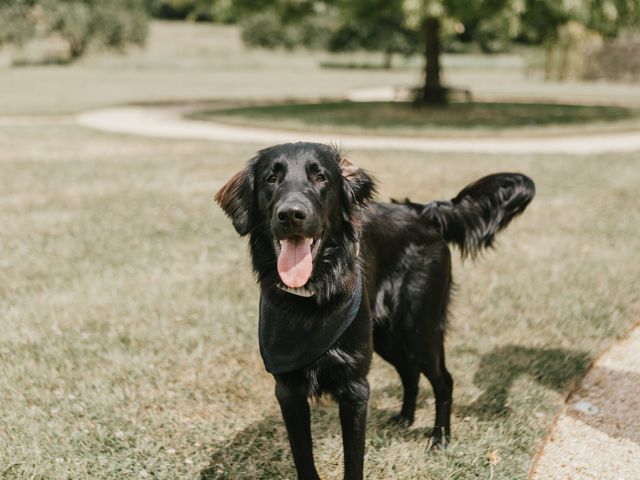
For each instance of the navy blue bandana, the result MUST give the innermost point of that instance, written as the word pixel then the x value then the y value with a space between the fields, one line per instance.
pixel 285 348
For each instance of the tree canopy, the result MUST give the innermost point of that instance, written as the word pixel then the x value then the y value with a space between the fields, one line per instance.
pixel 408 26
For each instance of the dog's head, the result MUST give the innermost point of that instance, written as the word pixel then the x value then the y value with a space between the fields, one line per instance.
pixel 301 205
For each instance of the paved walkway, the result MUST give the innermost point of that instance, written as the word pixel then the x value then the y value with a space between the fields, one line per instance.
pixel 169 122
pixel 35 120
pixel 597 437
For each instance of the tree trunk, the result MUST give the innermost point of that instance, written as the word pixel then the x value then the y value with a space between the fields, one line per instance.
pixel 388 59
pixel 76 48
pixel 432 92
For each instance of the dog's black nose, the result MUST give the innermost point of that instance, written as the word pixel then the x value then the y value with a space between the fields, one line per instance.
pixel 292 213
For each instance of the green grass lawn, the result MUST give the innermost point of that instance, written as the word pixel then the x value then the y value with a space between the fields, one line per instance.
pixel 128 346
pixel 405 118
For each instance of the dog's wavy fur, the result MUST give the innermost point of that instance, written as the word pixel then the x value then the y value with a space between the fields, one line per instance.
pixel 479 211
pixel 401 250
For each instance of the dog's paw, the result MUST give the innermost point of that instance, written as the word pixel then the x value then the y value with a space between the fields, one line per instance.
pixel 401 421
pixel 438 442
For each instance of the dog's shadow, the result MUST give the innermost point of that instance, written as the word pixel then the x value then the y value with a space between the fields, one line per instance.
pixel 554 368
pixel 261 450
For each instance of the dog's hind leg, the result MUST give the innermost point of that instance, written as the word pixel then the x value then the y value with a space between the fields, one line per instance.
pixel 410 377
pixel 424 334
pixel 433 366
pixel 409 374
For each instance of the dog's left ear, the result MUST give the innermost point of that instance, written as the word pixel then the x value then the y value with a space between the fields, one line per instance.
pixel 360 187
pixel 236 199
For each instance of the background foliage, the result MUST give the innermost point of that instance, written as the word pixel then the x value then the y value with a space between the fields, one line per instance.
pixel 424 26
pixel 80 23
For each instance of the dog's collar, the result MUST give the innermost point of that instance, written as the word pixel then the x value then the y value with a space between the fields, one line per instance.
pixel 304 291
pixel 288 344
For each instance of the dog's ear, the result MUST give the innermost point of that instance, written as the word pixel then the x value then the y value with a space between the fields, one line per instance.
pixel 359 185
pixel 236 199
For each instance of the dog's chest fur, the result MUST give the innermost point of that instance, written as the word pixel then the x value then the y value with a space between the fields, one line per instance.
pixel 349 358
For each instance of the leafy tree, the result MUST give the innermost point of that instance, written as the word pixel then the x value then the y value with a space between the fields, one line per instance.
pixel 286 23
pixel 16 26
pixel 110 23
pixel 417 25
pixel 266 29
pixel 377 25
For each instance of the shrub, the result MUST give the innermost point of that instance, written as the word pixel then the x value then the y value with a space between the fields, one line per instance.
pixel 267 30
pixel 221 11
pixel 614 60
pixel 16 21
pixel 110 23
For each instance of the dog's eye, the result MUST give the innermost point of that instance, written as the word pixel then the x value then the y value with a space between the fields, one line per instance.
pixel 272 179
pixel 320 178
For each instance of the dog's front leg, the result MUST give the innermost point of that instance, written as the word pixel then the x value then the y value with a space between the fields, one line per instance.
pixel 297 418
pixel 353 402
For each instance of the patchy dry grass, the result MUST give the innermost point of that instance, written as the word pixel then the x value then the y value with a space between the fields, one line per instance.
pixel 128 344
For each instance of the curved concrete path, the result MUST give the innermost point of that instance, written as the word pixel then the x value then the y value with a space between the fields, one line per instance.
pixel 597 437
pixel 170 122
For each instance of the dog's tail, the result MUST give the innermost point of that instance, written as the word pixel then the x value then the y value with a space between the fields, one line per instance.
pixel 480 210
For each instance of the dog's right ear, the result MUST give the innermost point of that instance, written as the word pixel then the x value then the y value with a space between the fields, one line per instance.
pixel 236 199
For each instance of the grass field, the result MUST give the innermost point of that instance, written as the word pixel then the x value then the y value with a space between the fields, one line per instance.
pixel 128 346
pixel 405 118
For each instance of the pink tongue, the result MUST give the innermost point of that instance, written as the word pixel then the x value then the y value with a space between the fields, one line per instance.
pixel 294 262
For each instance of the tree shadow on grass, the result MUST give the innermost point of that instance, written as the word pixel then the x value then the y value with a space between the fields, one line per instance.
pixel 554 368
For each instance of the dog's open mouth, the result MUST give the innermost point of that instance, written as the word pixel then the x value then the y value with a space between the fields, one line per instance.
pixel 295 259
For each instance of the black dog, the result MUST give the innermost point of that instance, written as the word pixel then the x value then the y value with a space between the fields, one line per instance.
pixel 340 276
